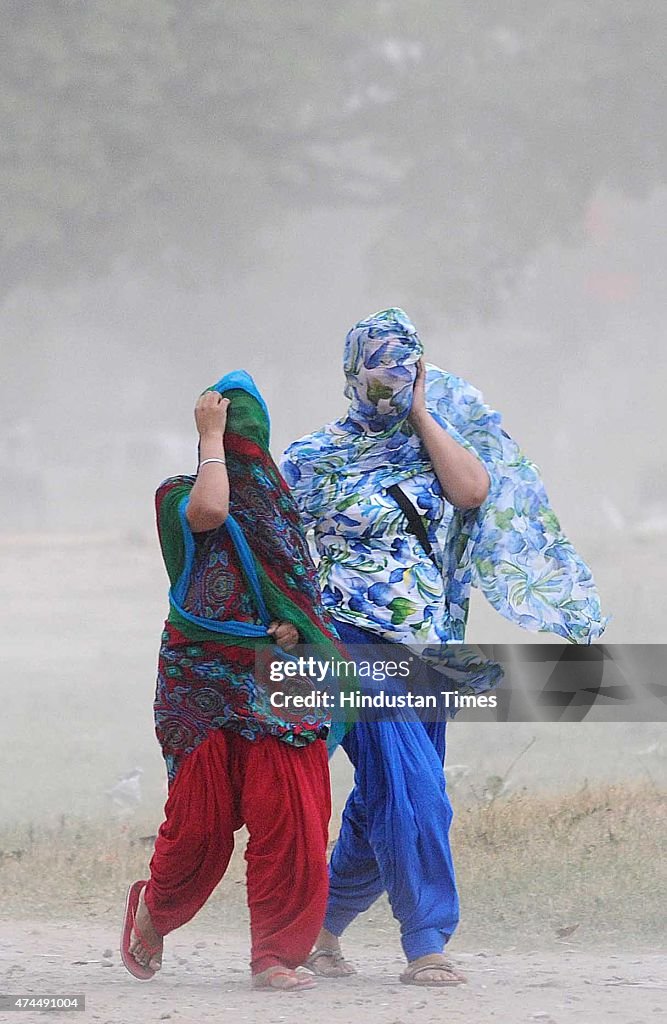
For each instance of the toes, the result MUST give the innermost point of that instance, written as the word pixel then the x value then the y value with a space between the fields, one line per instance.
pixel 283 982
pixel 343 971
pixel 139 953
pixel 443 977
pixel 155 963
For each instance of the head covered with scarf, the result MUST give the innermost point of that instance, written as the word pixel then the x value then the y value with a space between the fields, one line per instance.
pixel 232 582
pixel 380 366
pixel 267 554
pixel 512 547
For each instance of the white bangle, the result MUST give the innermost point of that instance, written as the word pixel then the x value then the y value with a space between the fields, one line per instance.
pixel 223 462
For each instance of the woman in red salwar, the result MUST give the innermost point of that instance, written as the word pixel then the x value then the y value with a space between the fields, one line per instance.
pixel 241 580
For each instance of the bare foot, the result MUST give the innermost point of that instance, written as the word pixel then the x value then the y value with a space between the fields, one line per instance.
pixel 283 979
pixel 145 943
pixel 327 959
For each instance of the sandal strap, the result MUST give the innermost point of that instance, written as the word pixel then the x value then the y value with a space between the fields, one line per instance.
pixel 330 954
pixel 437 962
pixel 150 949
pixel 431 967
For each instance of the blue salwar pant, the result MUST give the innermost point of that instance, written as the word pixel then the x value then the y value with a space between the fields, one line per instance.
pixel 394 834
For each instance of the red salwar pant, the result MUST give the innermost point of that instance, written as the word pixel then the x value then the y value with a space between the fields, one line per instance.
pixel 282 794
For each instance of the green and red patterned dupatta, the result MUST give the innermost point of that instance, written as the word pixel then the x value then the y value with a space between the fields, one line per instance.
pixel 262 542
pixel 230 583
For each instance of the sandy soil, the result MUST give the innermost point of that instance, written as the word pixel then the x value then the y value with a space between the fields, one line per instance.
pixel 205 979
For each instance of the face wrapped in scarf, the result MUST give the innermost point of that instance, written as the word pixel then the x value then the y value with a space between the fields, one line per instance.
pixel 512 547
pixel 380 363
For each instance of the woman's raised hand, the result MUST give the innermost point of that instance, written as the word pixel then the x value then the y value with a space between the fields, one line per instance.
pixel 211 413
pixel 419 395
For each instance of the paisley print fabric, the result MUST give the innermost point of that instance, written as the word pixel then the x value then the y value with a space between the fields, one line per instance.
pixel 215 590
pixel 512 547
pixel 206 677
pixel 198 691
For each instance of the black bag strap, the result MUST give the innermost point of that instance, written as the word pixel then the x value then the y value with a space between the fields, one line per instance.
pixel 415 521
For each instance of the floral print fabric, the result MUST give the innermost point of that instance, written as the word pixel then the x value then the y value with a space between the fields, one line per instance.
pixel 512 547
pixel 380 365
pixel 376 576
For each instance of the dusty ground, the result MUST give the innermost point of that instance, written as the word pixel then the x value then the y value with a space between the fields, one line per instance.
pixel 530 869
pixel 205 979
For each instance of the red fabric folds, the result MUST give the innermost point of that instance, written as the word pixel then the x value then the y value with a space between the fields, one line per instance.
pixel 281 793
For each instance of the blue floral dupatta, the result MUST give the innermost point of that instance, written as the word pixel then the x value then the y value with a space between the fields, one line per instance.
pixel 512 547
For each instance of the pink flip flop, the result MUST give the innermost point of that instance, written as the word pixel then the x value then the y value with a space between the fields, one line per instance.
pixel 129 924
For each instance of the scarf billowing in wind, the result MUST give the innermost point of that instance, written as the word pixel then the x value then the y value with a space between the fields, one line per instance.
pixel 512 547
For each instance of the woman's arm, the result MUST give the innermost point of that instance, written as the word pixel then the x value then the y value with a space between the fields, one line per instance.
pixel 209 498
pixel 462 475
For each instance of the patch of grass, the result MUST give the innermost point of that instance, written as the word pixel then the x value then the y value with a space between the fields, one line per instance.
pixel 79 866
pixel 527 865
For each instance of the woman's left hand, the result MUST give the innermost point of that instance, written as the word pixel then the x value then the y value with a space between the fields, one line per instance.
pixel 419 395
pixel 285 634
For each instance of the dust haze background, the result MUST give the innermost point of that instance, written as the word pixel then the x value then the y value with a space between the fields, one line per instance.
pixel 192 191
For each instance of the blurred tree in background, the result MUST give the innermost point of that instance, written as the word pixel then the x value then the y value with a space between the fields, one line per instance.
pixel 168 133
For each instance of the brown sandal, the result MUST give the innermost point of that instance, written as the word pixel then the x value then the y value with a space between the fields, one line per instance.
pixel 411 975
pixel 336 960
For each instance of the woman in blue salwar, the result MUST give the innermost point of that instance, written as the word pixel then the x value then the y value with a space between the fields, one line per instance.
pixel 413 495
